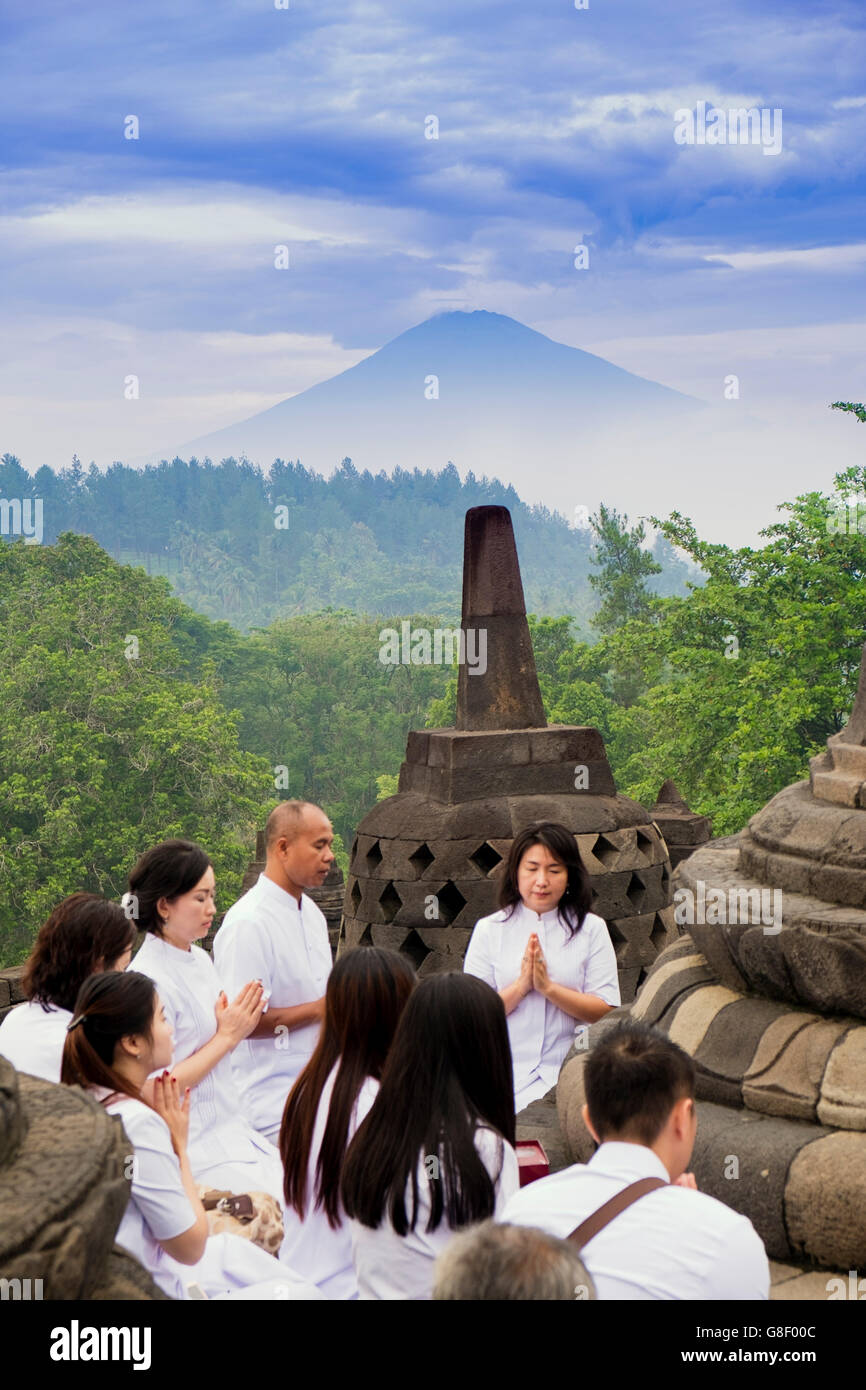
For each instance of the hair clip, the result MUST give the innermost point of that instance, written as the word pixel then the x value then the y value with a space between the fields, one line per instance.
pixel 75 1022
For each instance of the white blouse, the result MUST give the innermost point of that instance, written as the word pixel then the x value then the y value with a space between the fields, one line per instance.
pixel 540 1033
pixel 220 1137
pixel 389 1266
pixel 159 1209
pixel 32 1039
pixel 312 1246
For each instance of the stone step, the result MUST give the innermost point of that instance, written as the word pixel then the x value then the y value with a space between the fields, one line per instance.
pixel 839 787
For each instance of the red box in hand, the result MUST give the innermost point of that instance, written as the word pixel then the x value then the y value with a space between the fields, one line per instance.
pixel 532 1161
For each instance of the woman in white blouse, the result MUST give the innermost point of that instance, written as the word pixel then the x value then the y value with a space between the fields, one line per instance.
pixel 83 935
pixel 366 993
pixel 550 958
pixel 120 1036
pixel 171 895
pixel 436 1152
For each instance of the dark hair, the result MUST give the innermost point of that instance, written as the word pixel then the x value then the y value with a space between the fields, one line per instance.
pixel 633 1078
pixel 112 1006
pixel 82 931
pixel 366 994
pixel 448 1073
pixel 559 840
pixel 166 871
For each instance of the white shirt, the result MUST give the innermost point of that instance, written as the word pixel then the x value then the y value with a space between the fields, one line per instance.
pixel 158 1207
pixel 312 1246
pixel 540 1033
pixel 32 1039
pixel 188 987
pixel 389 1266
pixel 673 1243
pixel 266 936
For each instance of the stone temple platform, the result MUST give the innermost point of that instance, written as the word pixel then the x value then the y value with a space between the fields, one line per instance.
pixel 767 991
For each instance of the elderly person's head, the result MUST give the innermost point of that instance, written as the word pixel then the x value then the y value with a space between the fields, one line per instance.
pixel 496 1261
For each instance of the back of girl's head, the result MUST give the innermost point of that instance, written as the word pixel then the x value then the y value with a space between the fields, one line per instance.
pixel 84 933
pixel 366 994
pixel 110 1006
pixel 448 1072
pixel 167 871
pixel 453 1041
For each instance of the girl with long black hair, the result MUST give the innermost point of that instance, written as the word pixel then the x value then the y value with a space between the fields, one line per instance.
pixel 436 1152
pixel 366 993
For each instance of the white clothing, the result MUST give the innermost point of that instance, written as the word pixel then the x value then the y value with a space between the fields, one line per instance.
pixel 32 1039
pixel 159 1209
pixel 225 1151
pixel 266 936
pixel 389 1266
pixel 673 1243
pixel 540 1033
pixel 312 1246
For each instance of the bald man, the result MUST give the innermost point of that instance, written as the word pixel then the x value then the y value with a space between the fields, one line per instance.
pixel 278 935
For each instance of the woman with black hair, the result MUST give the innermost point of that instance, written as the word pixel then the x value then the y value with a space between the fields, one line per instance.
pixel 436 1152
pixel 83 935
pixel 550 958
pixel 118 1037
pixel 366 993
pixel 171 893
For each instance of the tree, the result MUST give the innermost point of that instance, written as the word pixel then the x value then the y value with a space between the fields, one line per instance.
pixel 624 565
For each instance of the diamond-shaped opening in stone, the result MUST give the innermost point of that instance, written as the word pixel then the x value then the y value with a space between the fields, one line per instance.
pixel 414 948
pixel 374 855
pixel 451 902
pixel 354 849
pixel 355 896
pixel 421 859
pixel 366 937
pixel 390 902
pixel 636 892
pixel 485 858
pixel 645 843
pixel 616 934
pixel 659 933
pixel 605 851
pixel 666 878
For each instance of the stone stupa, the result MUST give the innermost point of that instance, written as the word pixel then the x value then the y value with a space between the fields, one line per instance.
pixel 767 992
pixel 425 863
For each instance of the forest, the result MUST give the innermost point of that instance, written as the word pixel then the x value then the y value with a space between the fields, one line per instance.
pixel 249 547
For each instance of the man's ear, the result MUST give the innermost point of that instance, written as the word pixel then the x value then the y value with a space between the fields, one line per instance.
pixel 588 1122
pixel 682 1116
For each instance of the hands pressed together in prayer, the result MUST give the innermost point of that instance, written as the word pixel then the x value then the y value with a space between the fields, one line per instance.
pixel 533 969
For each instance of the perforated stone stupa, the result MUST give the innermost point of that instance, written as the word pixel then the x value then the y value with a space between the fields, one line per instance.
pixel 767 991
pixel 425 863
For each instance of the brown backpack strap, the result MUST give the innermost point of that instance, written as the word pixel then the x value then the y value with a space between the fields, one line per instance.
pixel 584 1233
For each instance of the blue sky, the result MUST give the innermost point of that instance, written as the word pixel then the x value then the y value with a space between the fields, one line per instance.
pixel 306 127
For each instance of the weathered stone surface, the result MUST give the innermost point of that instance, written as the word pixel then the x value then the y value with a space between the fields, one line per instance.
pixel 729 1045
pixel 676 972
pixel 786 1072
pixel 62 1188
pixel 743 1159
pixel 843 1086
pixel 506 696
pixel 825 1200
pixel 681 828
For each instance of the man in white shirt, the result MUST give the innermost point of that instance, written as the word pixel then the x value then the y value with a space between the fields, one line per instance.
pixel 673 1242
pixel 278 935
